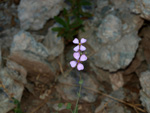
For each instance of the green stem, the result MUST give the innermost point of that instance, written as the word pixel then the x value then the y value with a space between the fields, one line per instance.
pixel 76 107
pixel 71 110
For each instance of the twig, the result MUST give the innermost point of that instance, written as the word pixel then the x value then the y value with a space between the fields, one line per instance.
pixel 136 110
pixel 67 72
pixel 39 106
pixel 103 108
pixel 61 68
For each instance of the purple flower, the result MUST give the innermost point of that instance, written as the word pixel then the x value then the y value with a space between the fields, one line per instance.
pixel 79 46
pixel 78 61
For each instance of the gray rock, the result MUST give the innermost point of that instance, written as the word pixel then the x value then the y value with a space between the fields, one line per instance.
pixel 110 31
pixel 117 80
pixel 54 44
pixel 113 106
pixel 117 55
pixel 143 8
pixel 93 42
pixel 145 100
pixel 24 41
pixel 145 91
pixel 12 86
pixel 102 75
pixel 8 16
pixel 6 37
pixel 4 20
pixel 51 48
pixel 58 63
pixel 37 37
pixel 69 92
pixel 0 58
pixel 123 5
pixel 20 71
pixel 34 56
pixel 33 63
pixel 34 13
pixel 112 37
pixel 101 4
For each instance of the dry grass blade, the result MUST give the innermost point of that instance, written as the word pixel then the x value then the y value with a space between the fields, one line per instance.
pixel 136 110
pixel 39 106
pixel 104 106
pixel 62 71
pixel 60 66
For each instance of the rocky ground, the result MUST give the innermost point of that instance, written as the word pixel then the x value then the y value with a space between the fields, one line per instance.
pixel 34 62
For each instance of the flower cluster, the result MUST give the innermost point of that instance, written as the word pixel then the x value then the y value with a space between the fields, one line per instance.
pixel 78 55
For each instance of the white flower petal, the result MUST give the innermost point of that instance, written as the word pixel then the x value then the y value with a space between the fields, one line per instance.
pixel 83 40
pixel 76 48
pixel 83 57
pixel 76 41
pixel 76 55
pixel 80 66
pixel 82 48
pixel 73 63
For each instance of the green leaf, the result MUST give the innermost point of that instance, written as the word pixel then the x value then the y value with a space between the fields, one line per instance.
pixel 64 11
pixel 86 14
pixel 60 105
pixel 57 29
pixel 17 110
pixel 60 21
pixel 61 33
pixel 76 23
pixel 81 82
pixel 16 101
pixel 75 12
pixel 68 106
pixel 73 33
pixel 68 36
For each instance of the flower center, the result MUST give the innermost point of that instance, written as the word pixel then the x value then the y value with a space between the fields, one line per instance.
pixel 78 61
pixel 79 44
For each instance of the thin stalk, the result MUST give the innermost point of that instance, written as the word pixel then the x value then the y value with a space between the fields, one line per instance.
pixel 71 110
pixel 76 107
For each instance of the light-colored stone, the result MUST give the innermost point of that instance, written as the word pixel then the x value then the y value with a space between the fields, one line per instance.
pixel 24 41
pixel 110 31
pixel 112 37
pixel 54 44
pixel 0 58
pixel 32 63
pixel 117 55
pixel 69 92
pixel 21 73
pixel 8 16
pixel 7 37
pixel 116 80
pixel 145 91
pixel 12 86
pixel 102 75
pixel 112 106
pixel 143 8
pixel 34 13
